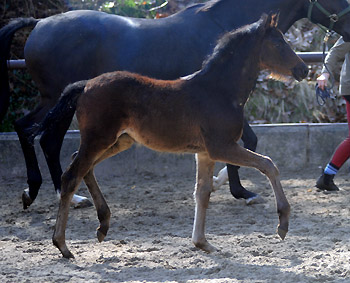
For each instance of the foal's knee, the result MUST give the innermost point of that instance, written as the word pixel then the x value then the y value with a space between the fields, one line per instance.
pixel 268 167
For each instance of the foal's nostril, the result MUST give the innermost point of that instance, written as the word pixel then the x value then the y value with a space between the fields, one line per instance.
pixel 300 71
pixel 306 71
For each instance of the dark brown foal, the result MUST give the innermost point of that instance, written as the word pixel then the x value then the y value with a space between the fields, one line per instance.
pixel 116 109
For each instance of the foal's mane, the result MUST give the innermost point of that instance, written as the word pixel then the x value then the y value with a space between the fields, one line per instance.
pixel 229 44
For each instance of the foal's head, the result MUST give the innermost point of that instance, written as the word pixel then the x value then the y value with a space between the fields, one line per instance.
pixel 276 54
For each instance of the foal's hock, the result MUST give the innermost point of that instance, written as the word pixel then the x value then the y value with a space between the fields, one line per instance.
pixel 117 109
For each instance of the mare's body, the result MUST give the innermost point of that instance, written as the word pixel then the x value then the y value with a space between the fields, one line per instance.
pixel 80 45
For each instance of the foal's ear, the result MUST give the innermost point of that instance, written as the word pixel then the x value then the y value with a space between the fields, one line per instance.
pixel 272 20
pixel 275 20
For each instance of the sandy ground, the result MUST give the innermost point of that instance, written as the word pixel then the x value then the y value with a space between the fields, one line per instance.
pixel 150 235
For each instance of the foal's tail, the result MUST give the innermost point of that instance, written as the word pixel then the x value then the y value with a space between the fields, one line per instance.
pixel 6 36
pixel 65 108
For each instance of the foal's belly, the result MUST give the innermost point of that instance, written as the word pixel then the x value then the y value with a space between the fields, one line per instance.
pixel 168 141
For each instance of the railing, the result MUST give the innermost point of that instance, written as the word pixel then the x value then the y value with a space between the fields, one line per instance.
pixel 16 64
pixel 308 57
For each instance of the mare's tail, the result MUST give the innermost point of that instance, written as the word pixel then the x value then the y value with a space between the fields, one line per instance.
pixel 6 36
pixel 65 108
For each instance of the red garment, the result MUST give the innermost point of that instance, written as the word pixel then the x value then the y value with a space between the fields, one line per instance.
pixel 342 153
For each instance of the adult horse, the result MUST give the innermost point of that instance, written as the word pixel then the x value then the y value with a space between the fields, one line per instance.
pixel 116 109
pixel 79 45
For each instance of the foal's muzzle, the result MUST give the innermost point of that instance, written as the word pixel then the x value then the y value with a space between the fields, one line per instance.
pixel 300 71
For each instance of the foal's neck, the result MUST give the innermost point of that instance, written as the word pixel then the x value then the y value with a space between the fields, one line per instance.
pixel 234 74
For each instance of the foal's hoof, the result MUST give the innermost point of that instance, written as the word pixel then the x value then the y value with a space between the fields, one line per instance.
pixel 206 247
pixel 67 254
pixel 63 249
pixel 100 235
pixel 281 232
pixel 83 203
pixel 26 200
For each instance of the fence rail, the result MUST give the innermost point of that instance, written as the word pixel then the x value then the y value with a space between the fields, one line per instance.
pixel 308 57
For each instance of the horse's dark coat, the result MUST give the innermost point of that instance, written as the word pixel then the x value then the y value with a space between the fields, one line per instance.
pixel 82 44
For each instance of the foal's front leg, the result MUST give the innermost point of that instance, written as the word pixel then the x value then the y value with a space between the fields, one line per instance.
pixel 240 156
pixel 204 186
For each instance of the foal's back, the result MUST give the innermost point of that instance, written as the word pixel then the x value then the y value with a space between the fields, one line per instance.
pixel 156 113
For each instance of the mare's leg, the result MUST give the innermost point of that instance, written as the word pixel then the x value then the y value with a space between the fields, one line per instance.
pixel 27 130
pixel 51 142
pixel 124 142
pixel 240 156
pixel 204 183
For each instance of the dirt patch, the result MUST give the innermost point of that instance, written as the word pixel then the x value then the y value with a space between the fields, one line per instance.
pixel 150 234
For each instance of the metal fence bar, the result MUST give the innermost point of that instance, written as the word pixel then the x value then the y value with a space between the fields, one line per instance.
pixel 308 57
pixel 16 64
pixel 311 57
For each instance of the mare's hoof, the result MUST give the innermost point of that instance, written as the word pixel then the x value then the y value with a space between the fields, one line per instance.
pixel 281 232
pixel 26 200
pixel 83 204
pixel 221 179
pixel 253 199
pixel 100 235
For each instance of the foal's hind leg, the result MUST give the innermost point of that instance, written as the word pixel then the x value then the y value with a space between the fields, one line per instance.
pixel 71 179
pixel 124 142
pixel 51 142
pixel 204 184
pixel 237 155
pixel 82 166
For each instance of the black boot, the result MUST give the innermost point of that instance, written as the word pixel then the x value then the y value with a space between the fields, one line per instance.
pixel 325 183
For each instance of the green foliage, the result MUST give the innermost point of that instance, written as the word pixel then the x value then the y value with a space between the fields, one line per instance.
pixel 131 8
pixel 24 97
pixel 293 102
pixel 128 8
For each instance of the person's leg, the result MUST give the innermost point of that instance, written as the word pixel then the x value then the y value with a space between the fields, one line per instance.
pixel 340 156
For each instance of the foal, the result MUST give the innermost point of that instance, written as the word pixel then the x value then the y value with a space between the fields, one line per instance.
pixel 116 109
